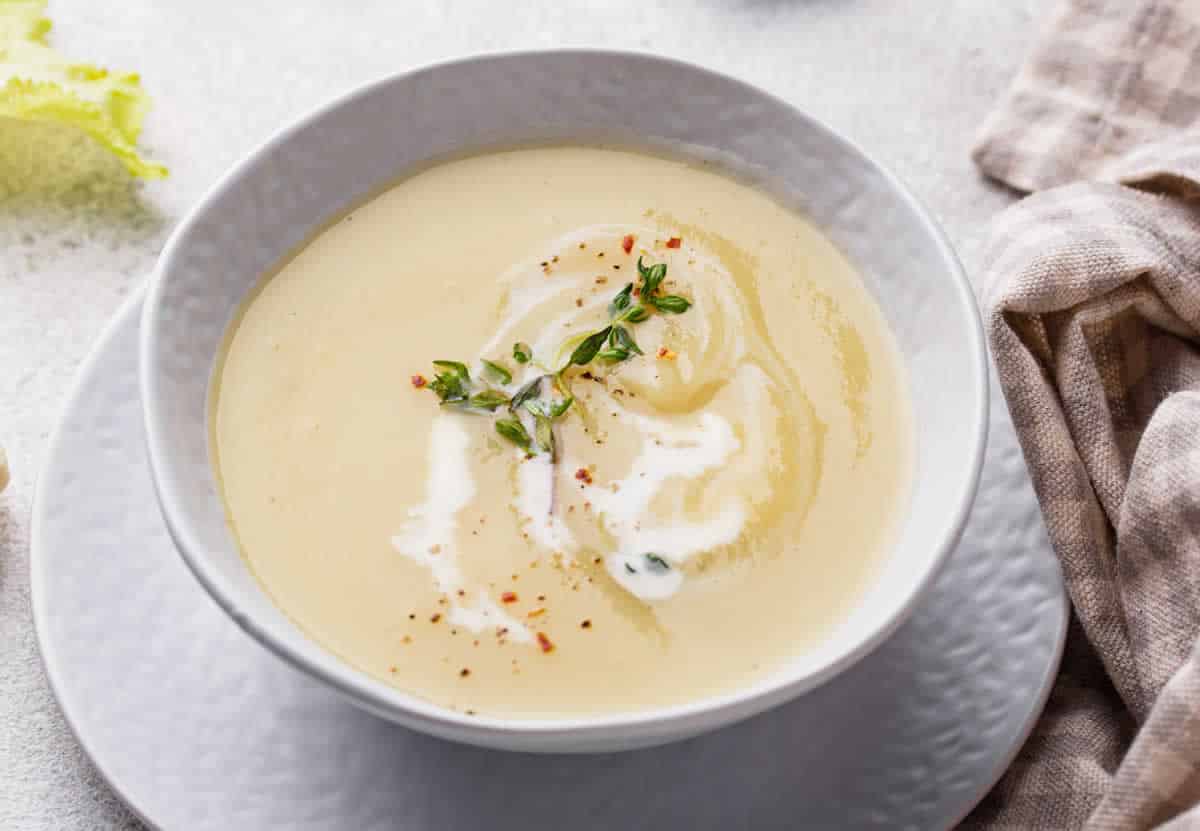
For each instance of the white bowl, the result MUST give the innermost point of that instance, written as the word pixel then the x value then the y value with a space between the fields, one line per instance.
pixel 324 164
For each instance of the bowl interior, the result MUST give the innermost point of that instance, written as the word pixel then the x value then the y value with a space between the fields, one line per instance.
pixel 317 169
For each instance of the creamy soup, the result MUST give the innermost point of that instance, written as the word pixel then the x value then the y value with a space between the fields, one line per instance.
pixel 681 468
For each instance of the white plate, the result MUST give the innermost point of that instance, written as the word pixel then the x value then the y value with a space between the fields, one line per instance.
pixel 198 727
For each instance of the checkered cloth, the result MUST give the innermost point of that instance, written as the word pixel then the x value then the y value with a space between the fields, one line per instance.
pixel 1093 313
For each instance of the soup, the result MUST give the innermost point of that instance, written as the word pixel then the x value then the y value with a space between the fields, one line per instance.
pixel 664 448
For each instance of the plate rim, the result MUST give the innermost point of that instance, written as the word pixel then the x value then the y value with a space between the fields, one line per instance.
pixel 129 314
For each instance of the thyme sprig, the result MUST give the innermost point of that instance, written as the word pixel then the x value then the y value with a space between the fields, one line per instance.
pixel 611 344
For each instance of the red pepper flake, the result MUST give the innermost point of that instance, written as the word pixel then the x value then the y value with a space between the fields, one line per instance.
pixel 666 354
pixel 579 302
pixel 412 616
pixel 601 280
pixel 674 242
pixel 627 243
pixel 541 598
pixel 582 246
pixel 584 475
pixel 418 381
pixel 544 642
pixel 508 597
pixel 637 291
pixel 464 672
pixel 435 617
pixel 538 612
pixel 587 624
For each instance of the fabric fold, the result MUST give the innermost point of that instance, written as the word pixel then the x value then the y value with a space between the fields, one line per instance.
pixel 1093 316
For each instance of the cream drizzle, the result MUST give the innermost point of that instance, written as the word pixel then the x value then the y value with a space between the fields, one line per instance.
pixel 668 451
pixel 428 538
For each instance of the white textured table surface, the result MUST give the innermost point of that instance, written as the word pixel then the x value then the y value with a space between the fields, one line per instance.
pixel 910 82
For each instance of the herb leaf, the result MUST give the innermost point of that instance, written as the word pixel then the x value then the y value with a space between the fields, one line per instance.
pixel 455 367
pixel 586 351
pixel 544 431
pixel 514 431
pixel 672 303
pixel 526 392
pixel 522 352
pixel 554 409
pixel 623 339
pixel 449 387
pixel 630 569
pixel 635 314
pixel 651 276
pixel 657 564
pixel 558 409
pixel 496 371
pixel 612 355
pixel 488 399
pixel 621 301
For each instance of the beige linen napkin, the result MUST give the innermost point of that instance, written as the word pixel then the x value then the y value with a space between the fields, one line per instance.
pixel 1093 314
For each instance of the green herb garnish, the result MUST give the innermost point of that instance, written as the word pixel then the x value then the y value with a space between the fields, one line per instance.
pixel 672 304
pixel 621 301
pixel 657 563
pixel 630 569
pixel 526 392
pixel 612 356
pixel 456 368
pixel 587 349
pixel 622 339
pixel 544 433
pixel 452 384
pixel 612 344
pixel 497 371
pixel 651 276
pixel 635 314
pixel 488 400
pixel 554 410
pixel 514 431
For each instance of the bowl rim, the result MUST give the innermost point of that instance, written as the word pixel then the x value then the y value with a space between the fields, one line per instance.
pixel 418 713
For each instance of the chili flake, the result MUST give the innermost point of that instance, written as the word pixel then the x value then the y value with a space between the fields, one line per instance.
pixel 508 597
pixel 584 475
pixel 435 617
pixel 627 243
pixel 666 354
pixel 587 624
pixel 464 672
pixel 538 612
pixel 674 242
pixel 418 381
pixel 544 642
